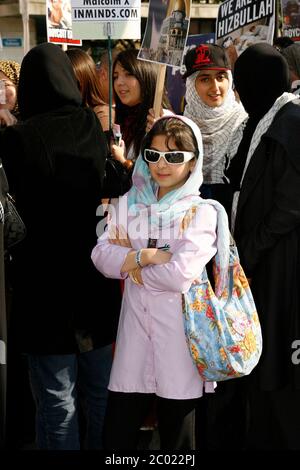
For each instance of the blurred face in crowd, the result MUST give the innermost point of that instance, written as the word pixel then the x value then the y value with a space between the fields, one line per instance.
pixel 103 74
pixel 126 86
pixel 10 93
pixel 212 86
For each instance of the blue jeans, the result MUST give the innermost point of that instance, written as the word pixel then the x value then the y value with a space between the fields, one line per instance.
pixel 57 382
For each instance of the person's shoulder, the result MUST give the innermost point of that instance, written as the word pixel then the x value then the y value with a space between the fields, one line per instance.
pixel 207 206
pixel 285 129
pixel 206 212
pixel 286 121
pixel 295 107
pixel 290 111
pixel 167 112
pixel 82 117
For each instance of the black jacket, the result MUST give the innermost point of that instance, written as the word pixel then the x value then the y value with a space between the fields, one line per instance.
pixel 3 326
pixel 54 160
pixel 267 233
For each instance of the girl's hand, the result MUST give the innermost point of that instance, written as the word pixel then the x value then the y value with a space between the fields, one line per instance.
pixel 136 276
pixel 6 118
pixel 118 236
pixel 156 256
pixel 118 151
pixel 151 119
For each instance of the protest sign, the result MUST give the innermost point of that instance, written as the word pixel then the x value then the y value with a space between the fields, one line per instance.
pixel 291 19
pixel 241 23
pixel 98 19
pixel 59 22
pixel 166 32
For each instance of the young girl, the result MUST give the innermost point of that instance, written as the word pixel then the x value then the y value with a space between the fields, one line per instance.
pixel 211 104
pixel 134 90
pixel 159 259
pixel 90 86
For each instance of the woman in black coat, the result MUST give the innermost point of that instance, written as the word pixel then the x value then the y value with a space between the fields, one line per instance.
pixel 267 232
pixel 54 160
pixel 3 326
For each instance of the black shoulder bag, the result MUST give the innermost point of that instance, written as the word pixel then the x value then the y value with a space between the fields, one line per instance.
pixel 117 180
pixel 14 227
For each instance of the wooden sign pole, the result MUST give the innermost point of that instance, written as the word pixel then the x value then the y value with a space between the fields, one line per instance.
pixel 109 75
pixel 159 89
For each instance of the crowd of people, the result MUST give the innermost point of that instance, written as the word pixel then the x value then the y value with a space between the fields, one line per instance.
pixel 93 320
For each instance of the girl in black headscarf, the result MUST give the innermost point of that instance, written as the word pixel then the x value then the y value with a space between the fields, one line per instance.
pixel 267 232
pixel 257 91
pixel 54 160
pixel 3 326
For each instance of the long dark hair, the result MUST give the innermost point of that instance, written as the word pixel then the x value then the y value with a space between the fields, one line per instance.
pixel 86 75
pixel 146 74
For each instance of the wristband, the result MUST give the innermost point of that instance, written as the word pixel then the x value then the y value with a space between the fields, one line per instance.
pixel 138 256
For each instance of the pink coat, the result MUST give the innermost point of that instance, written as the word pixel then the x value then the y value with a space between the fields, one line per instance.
pixel 151 352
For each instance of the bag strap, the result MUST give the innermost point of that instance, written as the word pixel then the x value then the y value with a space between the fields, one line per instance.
pixel 3 180
pixel 224 243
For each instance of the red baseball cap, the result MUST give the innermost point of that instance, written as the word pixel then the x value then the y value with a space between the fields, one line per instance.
pixel 206 57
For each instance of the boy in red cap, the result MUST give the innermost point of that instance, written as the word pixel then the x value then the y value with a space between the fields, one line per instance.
pixel 212 105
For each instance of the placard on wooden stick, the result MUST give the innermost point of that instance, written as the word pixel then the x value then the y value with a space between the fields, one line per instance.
pixel 161 73
pixel 164 39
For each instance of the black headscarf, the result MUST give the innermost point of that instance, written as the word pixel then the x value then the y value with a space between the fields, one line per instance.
pixel 261 75
pixel 47 81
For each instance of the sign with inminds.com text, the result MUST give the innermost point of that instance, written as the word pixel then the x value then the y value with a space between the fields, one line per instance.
pixel 95 19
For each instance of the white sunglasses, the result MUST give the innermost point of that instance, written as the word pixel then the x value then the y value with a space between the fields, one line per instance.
pixel 175 157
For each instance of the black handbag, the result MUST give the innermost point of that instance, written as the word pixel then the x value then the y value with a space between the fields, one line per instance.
pixel 117 180
pixel 14 227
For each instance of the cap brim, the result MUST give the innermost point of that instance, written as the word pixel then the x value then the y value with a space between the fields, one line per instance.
pixel 190 72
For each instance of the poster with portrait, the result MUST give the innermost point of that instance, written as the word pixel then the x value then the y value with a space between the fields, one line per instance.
pixel 291 19
pixel 241 24
pixel 166 32
pixel 59 22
